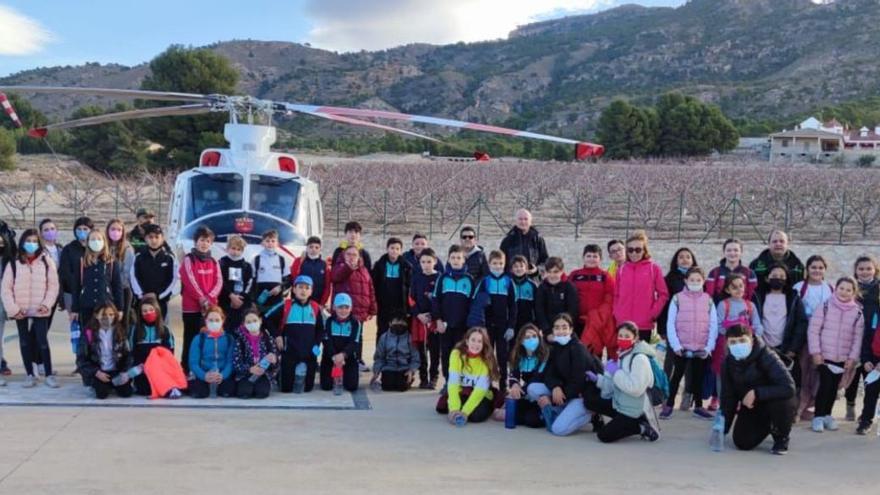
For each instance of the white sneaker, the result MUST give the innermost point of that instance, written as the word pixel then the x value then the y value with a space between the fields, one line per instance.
pixel 818 424
pixel 41 370
pixel 2 382
pixel 52 382
pixel 830 423
pixel 29 381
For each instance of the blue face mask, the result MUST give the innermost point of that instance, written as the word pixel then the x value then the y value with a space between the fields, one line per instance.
pixel 81 235
pixel 31 247
pixel 683 270
pixel 498 273
pixel 740 350
pixel 562 340
pixel 531 344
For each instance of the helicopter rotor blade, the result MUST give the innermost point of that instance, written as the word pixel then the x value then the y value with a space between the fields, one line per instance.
pixel 193 109
pixel 363 123
pixel 114 93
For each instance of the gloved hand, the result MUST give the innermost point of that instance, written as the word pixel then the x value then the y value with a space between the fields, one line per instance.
pixel 592 377
pixel 508 335
pixel 316 350
pixel 611 367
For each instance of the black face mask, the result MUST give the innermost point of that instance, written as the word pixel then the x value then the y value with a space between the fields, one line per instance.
pixel 398 329
pixel 776 284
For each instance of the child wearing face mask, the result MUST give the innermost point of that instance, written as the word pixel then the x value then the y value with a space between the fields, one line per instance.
pixel 342 343
pixel 254 358
pixel 494 307
pixel 814 292
pixel 271 276
pixel 98 279
pixel 835 343
pixel 210 358
pixel 103 358
pixel 299 338
pixel 692 330
pixel 151 340
pixel 71 260
pixel 469 396
pixel 396 359
pixel 238 276
pixel 528 360
pixel 676 281
pixel 123 254
pixel 783 318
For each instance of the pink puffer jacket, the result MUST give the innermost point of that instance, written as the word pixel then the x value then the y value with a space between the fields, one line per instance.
pixel 35 284
pixel 640 293
pixel 836 330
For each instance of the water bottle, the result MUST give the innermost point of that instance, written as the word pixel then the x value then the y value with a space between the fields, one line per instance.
pixel 716 440
pixel 263 297
pixel 510 413
pixel 336 374
pixel 460 420
pixel 135 371
pixel 75 331
pixel 119 380
pixel 661 346
pixel 299 379
pixel 264 363
pixel 214 385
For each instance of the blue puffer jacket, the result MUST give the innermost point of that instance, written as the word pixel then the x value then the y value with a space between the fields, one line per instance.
pixel 208 353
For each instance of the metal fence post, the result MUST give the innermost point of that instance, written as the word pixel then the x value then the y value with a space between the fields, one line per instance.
pixel 116 200
pixel 75 198
pixel 842 218
pixel 431 216
pixel 338 207
pixel 680 214
pixel 479 212
pixel 733 216
pixel 34 199
pixel 384 213
pixel 577 211
pixel 628 211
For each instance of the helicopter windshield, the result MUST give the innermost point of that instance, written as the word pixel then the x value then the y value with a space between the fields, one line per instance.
pixel 212 193
pixel 276 196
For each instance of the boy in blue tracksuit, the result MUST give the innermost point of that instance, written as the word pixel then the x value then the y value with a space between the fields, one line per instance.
pixel 299 338
pixel 525 289
pixel 424 328
pixel 452 303
pixel 494 307
pixel 342 342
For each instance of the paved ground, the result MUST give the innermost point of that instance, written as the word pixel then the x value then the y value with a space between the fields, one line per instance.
pixel 398 446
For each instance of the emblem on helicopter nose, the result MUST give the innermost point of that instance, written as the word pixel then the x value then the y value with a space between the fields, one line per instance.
pixel 244 225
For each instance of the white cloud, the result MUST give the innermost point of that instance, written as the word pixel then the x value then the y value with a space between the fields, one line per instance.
pixel 19 34
pixel 348 25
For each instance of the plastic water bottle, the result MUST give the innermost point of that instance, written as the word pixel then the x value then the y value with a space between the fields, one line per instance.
pixel 75 331
pixel 716 440
pixel 299 379
pixel 264 363
pixel 460 420
pixel 510 413
pixel 135 371
pixel 119 380
pixel 336 374
pixel 263 297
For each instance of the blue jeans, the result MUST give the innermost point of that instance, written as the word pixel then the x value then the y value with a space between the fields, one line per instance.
pixel 569 418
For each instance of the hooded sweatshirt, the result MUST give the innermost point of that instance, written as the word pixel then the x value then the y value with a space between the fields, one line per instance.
pixel 640 293
pixel 630 383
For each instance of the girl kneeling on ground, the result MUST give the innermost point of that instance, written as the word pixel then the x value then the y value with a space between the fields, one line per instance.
pixel 254 359
pixel 528 360
pixel 210 358
pixel 147 334
pixel 469 395
pixel 103 358
pixel 624 389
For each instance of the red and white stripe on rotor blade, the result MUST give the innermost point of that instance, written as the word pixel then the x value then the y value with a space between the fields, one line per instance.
pixel 7 107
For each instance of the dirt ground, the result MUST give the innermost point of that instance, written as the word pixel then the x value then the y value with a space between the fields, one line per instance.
pixel 399 446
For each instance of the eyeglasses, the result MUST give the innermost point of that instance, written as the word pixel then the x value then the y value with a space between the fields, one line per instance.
pixel 634 250
pixel 466 237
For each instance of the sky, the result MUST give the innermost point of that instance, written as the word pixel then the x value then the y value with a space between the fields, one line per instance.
pixel 46 33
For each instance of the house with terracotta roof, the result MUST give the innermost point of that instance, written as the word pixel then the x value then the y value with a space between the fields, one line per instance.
pixel 816 141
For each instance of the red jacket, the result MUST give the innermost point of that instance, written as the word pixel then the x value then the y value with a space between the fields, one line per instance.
pixel 640 294
pixel 595 290
pixel 200 280
pixel 295 270
pixel 359 285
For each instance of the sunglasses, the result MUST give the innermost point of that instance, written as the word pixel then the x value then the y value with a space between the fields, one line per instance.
pixel 465 237
pixel 634 250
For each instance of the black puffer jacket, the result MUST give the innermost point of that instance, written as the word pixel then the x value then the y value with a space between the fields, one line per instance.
pixel 762 371
pixel 795 334
pixel 531 245
pixel 567 367
pixel 551 300
pixel 870 300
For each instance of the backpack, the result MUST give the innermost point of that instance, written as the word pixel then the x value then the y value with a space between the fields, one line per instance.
pixel 659 392
pixel 750 308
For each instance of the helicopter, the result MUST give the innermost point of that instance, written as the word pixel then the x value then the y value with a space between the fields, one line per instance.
pixel 247 189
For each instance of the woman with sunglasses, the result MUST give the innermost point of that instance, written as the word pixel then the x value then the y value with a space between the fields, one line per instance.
pixel 640 293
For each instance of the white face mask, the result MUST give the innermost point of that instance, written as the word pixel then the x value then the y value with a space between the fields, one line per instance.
pixel 214 326
pixel 96 245
pixel 695 287
pixel 253 327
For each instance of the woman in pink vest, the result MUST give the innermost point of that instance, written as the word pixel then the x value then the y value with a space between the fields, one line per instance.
pixel 641 292
pixel 692 328
pixel 200 282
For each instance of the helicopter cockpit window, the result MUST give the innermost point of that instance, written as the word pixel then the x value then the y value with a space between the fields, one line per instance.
pixel 276 196
pixel 212 193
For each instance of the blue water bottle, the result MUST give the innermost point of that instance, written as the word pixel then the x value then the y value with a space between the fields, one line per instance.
pixel 75 331
pixel 510 413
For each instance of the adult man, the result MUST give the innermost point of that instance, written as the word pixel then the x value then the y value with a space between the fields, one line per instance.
pixel 474 257
pixel 777 252
pixel 524 240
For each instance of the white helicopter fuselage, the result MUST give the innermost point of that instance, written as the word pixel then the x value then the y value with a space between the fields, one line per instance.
pixel 245 190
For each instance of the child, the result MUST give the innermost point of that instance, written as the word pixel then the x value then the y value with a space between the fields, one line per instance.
pixel 555 296
pixel 835 342
pixel 155 269
pixel 419 244
pixel 692 330
pixel 524 288
pixel 103 358
pixel 238 277
pixel 676 281
pixel 342 344
pixel 270 275
pixel 617 254
pixel 352 276
pixel 814 293
pixel 299 338
pixel 528 360
pixel 98 280
pixel 392 277
pixel 148 333
pixel 210 359
pixel 783 318
pixel 316 268
pixel 451 304
pixel 71 260
pixel 731 263
pixel 123 254
pixel 396 359
pixel 866 272
pixel 254 358
pixel 494 307
pixel 595 290
pixel 423 327
pixel 7 256
pixel 624 389
pixel 560 394
pixel 201 282
pixel 29 289
pixel 469 397
pixel 353 231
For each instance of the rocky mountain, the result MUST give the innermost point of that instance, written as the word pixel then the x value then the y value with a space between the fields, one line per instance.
pixel 754 58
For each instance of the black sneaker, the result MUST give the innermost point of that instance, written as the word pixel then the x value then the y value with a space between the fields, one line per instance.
pixel 863 428
pixel 648 431
pixel 780 446
pixel 598 422
pixel 425 385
